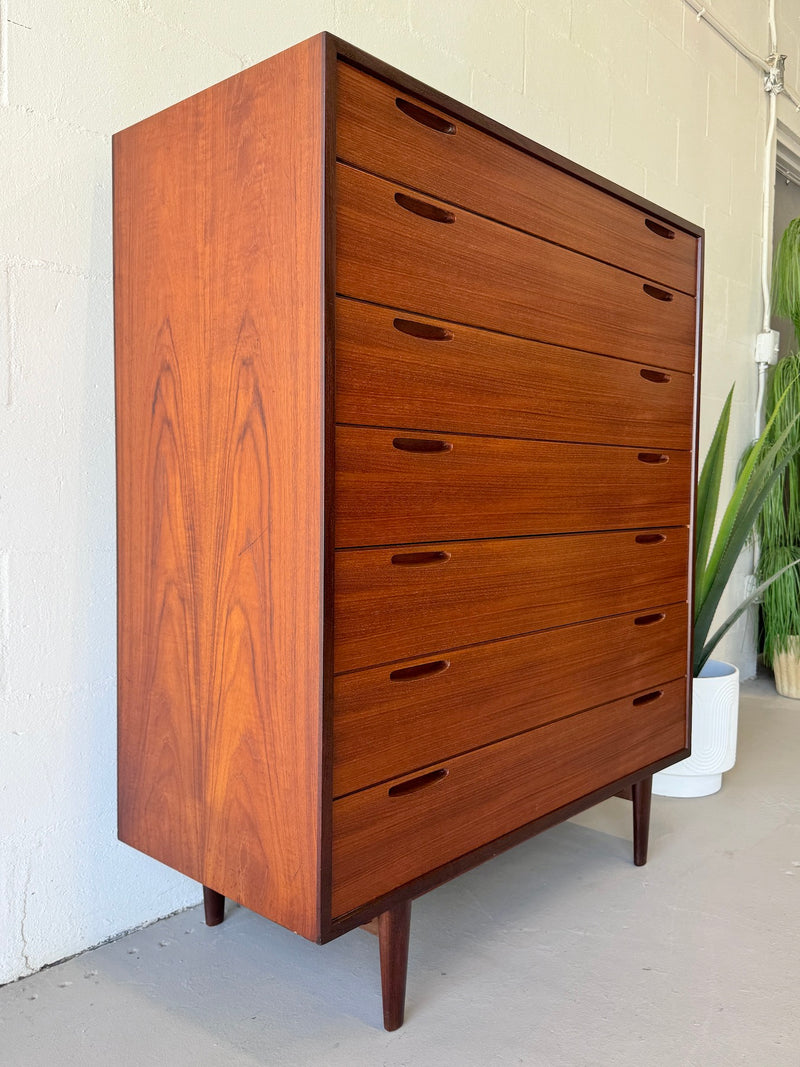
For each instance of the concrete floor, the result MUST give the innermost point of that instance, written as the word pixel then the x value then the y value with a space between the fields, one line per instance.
pixel 558 954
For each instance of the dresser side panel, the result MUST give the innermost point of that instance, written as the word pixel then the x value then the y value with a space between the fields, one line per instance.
pixel 218 276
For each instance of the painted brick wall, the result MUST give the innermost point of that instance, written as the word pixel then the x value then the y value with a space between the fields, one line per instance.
pixel 638 90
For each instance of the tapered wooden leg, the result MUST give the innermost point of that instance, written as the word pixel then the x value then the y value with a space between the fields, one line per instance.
pixel 641 794
pixel 214 904
pixel 394 928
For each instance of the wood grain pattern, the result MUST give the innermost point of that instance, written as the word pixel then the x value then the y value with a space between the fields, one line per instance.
pixel 485 590
pixel 387 835
pixel 470 860
pixel 389 721
pixel 528 287
pixel 403 81
pixel 475 170
pixel 482 382
pixel 218 248
pixel 498 487
pixel 160 777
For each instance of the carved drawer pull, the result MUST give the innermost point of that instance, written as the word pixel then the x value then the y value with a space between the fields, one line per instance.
pixel 648 698
pixel 423 330
pixel 652 457
pixel 413 784
pixel 648 620
pixel 655 375
pixel 419 559
pixel 658 294
pixel 650 539
pixel 419 670
pixel 660 230
pixel 424 117
pixel 421 444
pixel 425 210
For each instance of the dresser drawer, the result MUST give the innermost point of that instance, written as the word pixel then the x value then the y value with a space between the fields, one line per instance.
pixel 404 138
pixel 386 835
pixel 391 720
pixel 395 486
pixel 395 603
pixel 390 254
pixel 393 369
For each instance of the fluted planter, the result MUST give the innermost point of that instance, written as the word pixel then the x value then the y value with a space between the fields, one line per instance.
pixel 715 721
pixel 786 666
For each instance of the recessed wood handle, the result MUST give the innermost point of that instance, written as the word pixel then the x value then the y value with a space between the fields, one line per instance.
pixel 420 444
pixel 419 670
pixel 650 539
pixel 655 375
pixel 653 457
pixel 419 559
pixel 423 330
pixel 660 230
pixel 425 210
pixel 402 789
pixel 648 698
pixel 425 117
pixel 658 294
pixel 648 620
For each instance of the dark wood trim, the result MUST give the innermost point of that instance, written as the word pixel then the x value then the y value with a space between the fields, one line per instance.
pixel 698 363
pixel 328 365
pixel 115 240
pixel 394 929
pixel 447 871
pixel 391 74
pixel 213 906
pixel 641 793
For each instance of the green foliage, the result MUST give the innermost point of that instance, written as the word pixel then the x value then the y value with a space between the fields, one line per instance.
pixel 781 601
pixel 786 276
pixel 779 521
pixel 716 556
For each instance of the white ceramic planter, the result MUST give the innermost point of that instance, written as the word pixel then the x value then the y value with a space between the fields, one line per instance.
pixel 715 721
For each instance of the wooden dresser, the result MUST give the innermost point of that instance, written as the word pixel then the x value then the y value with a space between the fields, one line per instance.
pixel 406 429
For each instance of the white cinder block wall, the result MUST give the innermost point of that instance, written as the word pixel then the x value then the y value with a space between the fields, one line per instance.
pixel 637 90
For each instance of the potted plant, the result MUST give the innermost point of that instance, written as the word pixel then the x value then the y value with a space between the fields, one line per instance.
pixel 779 521
pixel 716 684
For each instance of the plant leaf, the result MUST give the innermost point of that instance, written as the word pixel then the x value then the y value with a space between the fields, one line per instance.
pixel 703 654
pixel 752 488
pixel 708 486
pixel 753 463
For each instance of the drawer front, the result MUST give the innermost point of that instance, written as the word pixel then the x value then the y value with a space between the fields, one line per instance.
pixel 392 720
pixel 395 486
pixel 393 369
pixel 393 603
pixel 384 131
pixel 386 835
pixel 390 254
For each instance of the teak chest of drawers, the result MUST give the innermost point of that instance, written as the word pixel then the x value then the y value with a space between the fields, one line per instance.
pixel 406 430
